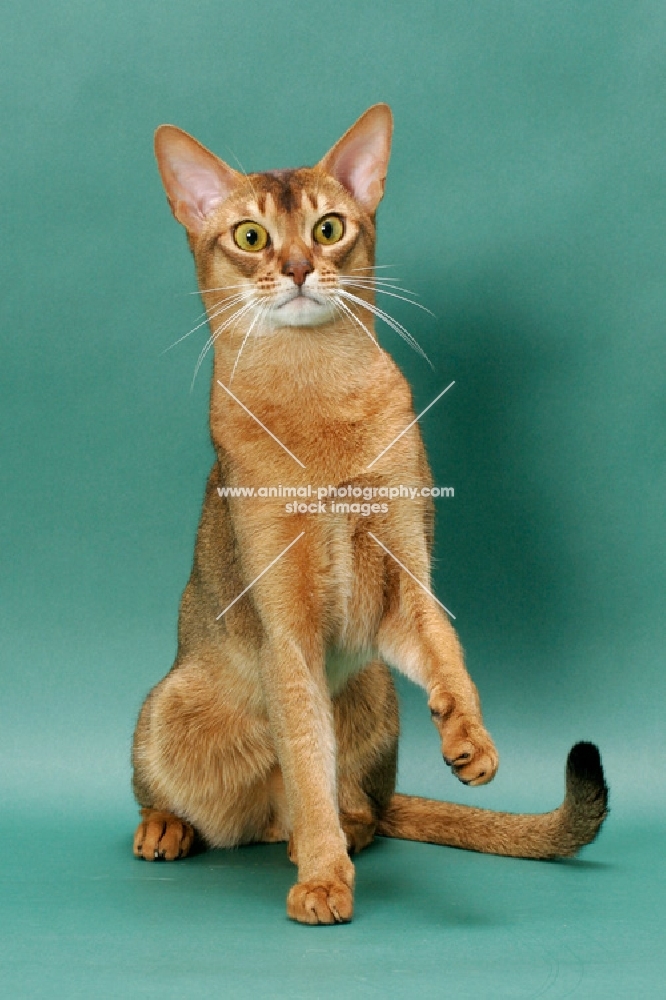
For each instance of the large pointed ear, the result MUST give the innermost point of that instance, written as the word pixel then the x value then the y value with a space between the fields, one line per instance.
pixel 359 160
pixel 194 179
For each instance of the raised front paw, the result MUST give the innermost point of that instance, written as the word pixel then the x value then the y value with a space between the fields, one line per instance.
pixel 466 745
pixel 162 836
pixel 322 902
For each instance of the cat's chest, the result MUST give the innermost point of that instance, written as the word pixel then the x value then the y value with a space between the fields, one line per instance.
pixel 352 592
pixel 326 433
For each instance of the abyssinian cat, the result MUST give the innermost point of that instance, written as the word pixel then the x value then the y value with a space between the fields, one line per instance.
pixel 279 719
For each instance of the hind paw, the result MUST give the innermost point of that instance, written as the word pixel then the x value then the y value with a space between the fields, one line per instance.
pixel 162 836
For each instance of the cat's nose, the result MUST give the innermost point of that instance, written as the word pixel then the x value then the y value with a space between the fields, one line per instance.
pixel 298 269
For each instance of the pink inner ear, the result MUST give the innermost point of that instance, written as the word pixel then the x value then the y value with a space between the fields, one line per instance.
pixel 359 160
pixel 358 171
pixel 204 188
pixel 195 188
pixel 195 180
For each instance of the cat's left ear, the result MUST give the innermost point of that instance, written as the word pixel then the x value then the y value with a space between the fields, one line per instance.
pixel 359 160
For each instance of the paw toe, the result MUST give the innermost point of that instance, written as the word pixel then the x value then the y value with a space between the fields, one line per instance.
pixel 470 753
pixel 320 903
pixel 162 836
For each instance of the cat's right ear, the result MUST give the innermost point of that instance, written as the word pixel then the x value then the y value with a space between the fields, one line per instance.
pixel 359 160
pixel 194 179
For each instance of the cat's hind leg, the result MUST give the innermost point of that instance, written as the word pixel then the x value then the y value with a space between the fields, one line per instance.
pixel 202 766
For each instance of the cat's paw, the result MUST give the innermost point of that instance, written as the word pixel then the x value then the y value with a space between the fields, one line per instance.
pixel 466 745
pixel 327 899
pixel 320 902
pixel 162 836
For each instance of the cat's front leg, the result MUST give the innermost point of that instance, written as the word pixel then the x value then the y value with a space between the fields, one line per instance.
pixel 301 718
pixel 416 638
pixel 290 601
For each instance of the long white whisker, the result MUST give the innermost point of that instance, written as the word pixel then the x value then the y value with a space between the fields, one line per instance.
pixel 344 312
pixel 372 267
pixel 233 321
pixel 228 303
pixel 220 288
pixel 216 333
pixel 219 302
pixel 214 306
pixel 232 327
pixel 373 277
pixel 384 291
pixel 350 312
pixel 265 309
pixel 390 321
pixel 229 322
pixel 376 283
pixel 240 349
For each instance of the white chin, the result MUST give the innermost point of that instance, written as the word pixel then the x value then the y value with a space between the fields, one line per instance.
pixel 301 311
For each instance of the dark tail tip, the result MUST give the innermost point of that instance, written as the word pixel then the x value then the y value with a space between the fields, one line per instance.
pixel 587 792
pixel 584 764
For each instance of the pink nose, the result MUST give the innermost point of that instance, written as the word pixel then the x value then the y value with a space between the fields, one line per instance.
pixel 298 269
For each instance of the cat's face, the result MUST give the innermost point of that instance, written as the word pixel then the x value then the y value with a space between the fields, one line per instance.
pixel 286 239
pixel 280 244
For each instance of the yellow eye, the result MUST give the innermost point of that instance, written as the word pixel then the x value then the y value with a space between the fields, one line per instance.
pixel 329 230
pixel 250 236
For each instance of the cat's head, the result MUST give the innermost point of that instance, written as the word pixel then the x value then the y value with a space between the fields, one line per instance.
pixel 281 242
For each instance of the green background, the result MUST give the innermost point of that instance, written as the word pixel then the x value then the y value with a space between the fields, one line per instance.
pixel 526 204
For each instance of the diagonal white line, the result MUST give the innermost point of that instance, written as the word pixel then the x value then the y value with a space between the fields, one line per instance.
pixel 414 421
pixel 402 566
pixel 283 446
pixel 258 577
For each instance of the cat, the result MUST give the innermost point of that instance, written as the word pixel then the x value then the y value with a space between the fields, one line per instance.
pixel 279 718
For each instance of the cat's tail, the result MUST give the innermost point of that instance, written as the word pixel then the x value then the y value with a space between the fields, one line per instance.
pixel 557 834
